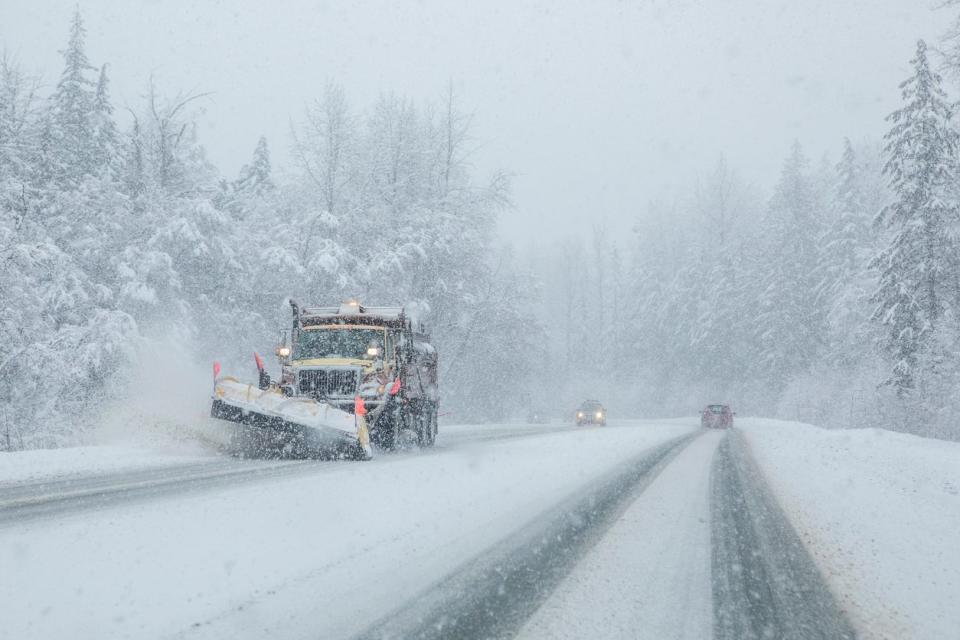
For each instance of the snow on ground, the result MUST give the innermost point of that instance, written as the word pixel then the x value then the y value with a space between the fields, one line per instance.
pixel 649 577
pixel 880 512
pixel 60 464
pixel 159 444
pixel 319 555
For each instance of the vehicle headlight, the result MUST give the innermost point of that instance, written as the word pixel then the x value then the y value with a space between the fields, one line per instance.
pixel 599 414
pixel 283 352
pixel 579 414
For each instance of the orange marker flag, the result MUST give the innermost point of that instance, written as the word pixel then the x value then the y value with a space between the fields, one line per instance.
pixel 359 408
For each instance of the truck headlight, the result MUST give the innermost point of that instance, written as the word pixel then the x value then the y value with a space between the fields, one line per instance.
pixel 283 352
pixel 579 414
pixel 599 414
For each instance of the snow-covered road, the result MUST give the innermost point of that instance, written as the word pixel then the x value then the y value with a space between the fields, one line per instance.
pixel 662 543
pixel 641 529
pixel 331 550
pixel 47 483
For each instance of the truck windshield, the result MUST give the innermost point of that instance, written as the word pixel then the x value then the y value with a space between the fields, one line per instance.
pixel 338 343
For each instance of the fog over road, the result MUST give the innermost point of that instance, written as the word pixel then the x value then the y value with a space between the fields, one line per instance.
pixel 637 529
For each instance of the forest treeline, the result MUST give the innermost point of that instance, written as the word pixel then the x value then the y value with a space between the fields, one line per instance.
pixel 834 299
pixel 110 234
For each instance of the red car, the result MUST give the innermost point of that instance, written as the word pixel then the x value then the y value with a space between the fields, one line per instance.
pixel 716 416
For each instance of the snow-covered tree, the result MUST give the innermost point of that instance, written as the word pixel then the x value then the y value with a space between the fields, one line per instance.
pixel 844 280
pixel 105 140
pixel 255 178
pixel 789 323
pixel 951 39
pixel 72 127
pixel 919 268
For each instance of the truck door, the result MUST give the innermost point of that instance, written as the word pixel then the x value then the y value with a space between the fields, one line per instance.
pixel 389 352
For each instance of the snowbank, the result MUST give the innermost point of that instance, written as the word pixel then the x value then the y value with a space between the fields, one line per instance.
pixel 880 512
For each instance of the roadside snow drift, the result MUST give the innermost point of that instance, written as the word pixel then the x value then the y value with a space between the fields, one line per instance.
pixel 880 513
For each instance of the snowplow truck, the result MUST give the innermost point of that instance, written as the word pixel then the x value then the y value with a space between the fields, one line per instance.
pixel 374 360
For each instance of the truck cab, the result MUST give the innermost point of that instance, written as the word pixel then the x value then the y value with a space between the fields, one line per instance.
pixel 337 354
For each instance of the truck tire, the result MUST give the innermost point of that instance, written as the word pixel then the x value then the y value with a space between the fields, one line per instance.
pixel 431 426
pixel 426 424
pixel 386 432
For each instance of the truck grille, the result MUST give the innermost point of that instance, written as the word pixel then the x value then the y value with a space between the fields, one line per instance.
pixel 328 383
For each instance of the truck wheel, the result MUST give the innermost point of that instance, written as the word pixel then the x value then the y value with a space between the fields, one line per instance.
pixel 357 452
pixel 428 428
pixel 426 419
pixel 386 435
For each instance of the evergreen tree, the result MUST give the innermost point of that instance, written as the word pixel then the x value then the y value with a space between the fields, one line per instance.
pixel 105 151
pixel 844 282
pixel 72 109
pixel 255 178
pixel 918 269
pixel 789 323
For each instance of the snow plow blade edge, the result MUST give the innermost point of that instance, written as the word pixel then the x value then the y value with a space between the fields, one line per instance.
pixel 314 427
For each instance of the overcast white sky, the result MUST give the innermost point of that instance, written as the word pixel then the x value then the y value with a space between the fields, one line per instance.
pixel 596 106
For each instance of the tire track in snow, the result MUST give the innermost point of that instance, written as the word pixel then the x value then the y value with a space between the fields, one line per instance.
pixel 765 585
pixel 494 594
pixel 63 497
pixel 20 502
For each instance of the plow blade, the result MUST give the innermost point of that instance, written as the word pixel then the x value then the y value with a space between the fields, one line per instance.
pixel 271 420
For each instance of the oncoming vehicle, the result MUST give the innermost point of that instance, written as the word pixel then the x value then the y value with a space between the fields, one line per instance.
pixel 716 416
pixel 591 412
